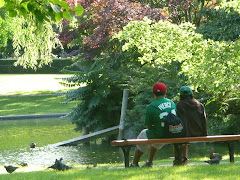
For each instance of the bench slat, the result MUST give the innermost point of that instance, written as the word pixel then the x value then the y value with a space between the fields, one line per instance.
pixel 176 140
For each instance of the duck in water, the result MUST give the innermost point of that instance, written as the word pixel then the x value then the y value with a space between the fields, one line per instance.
pixel 32 145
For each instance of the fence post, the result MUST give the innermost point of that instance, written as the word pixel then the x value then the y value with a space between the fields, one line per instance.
pixel 123 113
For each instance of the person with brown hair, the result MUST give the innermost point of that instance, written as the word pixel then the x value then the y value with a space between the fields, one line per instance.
pixel 192 113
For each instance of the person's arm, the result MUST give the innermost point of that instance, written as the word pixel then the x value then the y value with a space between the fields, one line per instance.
pixel 148 122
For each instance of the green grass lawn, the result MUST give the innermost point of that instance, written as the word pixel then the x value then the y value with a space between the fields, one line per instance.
pixel 32 85
pixel 21 105
pixel 103 172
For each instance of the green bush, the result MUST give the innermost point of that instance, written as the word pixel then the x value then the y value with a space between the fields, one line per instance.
pixel 7 67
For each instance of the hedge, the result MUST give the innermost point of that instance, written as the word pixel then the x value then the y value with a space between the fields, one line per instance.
pixel 7 67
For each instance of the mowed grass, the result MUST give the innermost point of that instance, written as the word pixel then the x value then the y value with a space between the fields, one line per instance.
pixel 33 85
pixel 103 172
pixel 22 105
pixel 19 133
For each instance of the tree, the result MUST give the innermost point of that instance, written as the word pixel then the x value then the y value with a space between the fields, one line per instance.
pixel 211 67
pixel 183 10
pixel 100 100
pixel 222 22
pixel 43 10
pixel 34 37
pixel 6 35
pixel 101 19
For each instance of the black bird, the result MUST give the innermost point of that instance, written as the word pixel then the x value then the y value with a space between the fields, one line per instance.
pixel 216 160
pixel 32 145
pixel 212 154
pixel 10 168
pixel 58 165
pixel 94 165
pixel 54 166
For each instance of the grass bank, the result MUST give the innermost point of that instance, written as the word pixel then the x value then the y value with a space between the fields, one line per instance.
pixel 21 105
pixel 33 85
pixel 102 172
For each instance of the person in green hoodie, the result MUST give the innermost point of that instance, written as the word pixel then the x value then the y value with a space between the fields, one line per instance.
pixel 154 122
pixel 192 113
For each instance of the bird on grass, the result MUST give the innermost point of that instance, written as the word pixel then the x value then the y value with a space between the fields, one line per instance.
pixel 58 165
pixel 212 154
pixel 23 164
pixel 216 160
pixel 54 166
pixel 10 169
pixel 94 165
pixel 32 144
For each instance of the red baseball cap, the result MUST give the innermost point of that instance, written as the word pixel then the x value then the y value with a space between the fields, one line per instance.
pixel 159 87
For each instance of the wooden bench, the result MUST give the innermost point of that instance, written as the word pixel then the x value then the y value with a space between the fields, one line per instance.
pixel 177 142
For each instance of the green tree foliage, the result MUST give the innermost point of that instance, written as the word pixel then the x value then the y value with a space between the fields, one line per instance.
pixel 211 66
pixel 34 37
pixel 112 69
pixel 154 51
pixel 221 23
pixel 32 42
pixel 208 64
pixel 6 34
pixel 103 80
pixel 180 11
pixel 43 10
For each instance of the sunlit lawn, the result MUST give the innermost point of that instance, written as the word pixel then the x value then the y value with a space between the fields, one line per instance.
pixel 32 85
pixel 21 105
pixel 103 172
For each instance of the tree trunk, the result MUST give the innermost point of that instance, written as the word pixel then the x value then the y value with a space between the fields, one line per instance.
pixel 85 132
pixel 189 14
pixel 186 15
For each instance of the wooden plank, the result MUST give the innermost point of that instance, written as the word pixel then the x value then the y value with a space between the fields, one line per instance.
pixel 88 137
pixel 176 140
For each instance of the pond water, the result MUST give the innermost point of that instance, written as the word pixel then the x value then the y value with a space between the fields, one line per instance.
pixel 95 153
pixel 46 156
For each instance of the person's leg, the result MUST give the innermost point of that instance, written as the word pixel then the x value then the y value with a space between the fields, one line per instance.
pixel 184 154
pixel 184 150
pixel 152 154
pixel 153 150
pixel 140 149
pixel 138 154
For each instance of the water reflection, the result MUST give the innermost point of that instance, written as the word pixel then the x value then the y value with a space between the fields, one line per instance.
pixel 96 153
pixel 46 156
